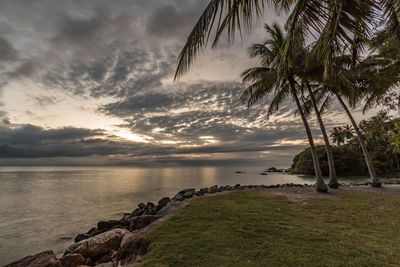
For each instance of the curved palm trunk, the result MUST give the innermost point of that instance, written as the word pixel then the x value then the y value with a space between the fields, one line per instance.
pixel 321 186
pixel 333 183
pixel 368 160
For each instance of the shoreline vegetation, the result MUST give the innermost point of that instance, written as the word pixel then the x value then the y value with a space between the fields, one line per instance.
pixel 382 136
pixel 140 236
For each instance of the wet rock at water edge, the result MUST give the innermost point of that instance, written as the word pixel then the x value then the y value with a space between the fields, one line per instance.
pixel 182 192
pixel 178 197
pixel 188 194
pixel 42 259
pixel 163 202
pixel 106 225
pixel 204 190
pixel 138 212
pixel 81 237
pixel 213 189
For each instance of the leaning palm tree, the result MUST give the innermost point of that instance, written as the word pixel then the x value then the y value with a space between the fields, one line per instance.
pixel 265 80
pixel 334 21
pixel 305 67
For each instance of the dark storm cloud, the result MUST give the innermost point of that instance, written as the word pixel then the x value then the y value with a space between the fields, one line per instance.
pixel 174 18
pixel 7 51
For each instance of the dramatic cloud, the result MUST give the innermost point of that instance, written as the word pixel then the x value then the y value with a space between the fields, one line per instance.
pixel 72 67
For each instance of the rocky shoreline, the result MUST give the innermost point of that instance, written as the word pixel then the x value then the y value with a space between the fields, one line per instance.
pixel 120 242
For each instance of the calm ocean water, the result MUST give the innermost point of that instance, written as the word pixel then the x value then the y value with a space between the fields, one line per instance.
pixel 46 207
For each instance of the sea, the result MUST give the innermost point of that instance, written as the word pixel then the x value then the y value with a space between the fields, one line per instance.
pixel 44 208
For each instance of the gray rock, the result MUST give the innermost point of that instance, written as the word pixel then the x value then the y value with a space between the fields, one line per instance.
pixel 42 259
pixel 98 246
pixel 142 205
pixel 138 212
pixel 188 194
pixel 150 205
pixel 178 197
pixel 163 202
pixel 152 211
pixel 142 221
pixel 199 193
pixel 213 189
pixel 204 190
pixel 132 246
pixel 187 190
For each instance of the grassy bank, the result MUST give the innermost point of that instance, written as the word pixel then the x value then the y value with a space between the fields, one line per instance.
pixel 254 229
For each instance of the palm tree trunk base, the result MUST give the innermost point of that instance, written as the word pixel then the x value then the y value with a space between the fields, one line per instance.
pixel 322 190
pixel 377 184
pixel 334 186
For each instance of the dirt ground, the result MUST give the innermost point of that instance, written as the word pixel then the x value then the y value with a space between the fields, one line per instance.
pixel 301 194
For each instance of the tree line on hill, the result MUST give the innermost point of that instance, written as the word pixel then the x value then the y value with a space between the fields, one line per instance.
pixel 382 137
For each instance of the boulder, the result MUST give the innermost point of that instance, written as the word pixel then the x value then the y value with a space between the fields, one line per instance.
pixel 199 193
pixel 72 260
pixel 213 189
pixel 187 190
pixel 138 212
pixel 81 237
pixel 204 190
pixel 150 205
pixel 132 246
pixel 163 202
pixel 142 205
pixel 142 221
pixel 92 231
pixel 188 194
pixel 42 259
pixel 178 197
pixel 98 246
pixel 106 225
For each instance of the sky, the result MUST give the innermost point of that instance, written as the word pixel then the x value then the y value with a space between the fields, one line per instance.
pixel 90 82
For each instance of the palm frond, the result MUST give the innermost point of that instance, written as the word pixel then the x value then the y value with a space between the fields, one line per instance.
pixel 233 15
pixel 391 9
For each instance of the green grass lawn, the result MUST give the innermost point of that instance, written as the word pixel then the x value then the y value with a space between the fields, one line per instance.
pixel 247 228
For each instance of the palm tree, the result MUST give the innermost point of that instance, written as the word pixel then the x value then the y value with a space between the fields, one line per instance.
pixel 265 80
pixel 348 132
pixel 334 21
pixel 338 135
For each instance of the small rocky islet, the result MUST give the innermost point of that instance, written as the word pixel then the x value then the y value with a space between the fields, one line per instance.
pixel 120 242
